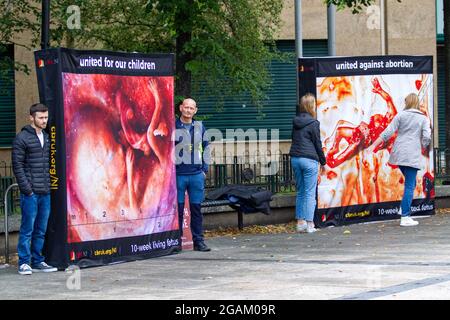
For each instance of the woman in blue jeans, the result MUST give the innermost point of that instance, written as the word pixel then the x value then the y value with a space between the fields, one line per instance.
pixel 414 132
pixel 306 154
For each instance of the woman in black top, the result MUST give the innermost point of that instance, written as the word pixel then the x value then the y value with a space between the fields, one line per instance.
pixel 306 154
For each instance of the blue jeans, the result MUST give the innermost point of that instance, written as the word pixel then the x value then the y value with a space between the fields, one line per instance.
pixel 306 172
pixel 410 184
pixel 35 213
pixel 195 186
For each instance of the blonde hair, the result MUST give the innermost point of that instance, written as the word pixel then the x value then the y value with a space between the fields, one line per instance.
pixel 308 104
pixel 412 101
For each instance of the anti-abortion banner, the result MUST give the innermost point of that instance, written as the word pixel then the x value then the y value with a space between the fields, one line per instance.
pixel 112 172
pixel 357 98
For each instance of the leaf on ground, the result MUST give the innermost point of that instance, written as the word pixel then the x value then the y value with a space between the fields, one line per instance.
pixel 255 229
pixel 13 259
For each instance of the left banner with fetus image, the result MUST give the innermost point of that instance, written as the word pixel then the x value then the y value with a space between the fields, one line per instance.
pixel 113 120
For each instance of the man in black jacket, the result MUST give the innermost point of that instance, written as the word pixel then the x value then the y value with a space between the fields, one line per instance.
pixel 30 158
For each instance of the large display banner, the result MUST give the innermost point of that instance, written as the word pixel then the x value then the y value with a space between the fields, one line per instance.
pixel 357 98
pixel 112 167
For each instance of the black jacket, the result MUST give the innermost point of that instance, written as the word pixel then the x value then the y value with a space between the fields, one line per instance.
pixel 306 138
pixel 249 199
pixel 30 162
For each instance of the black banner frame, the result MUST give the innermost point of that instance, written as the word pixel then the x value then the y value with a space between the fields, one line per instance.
pixel 50 65
pixel 309 69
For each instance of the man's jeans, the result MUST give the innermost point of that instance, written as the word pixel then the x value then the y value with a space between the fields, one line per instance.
pixel 410 184
pixel 306 172
pixel 35 213
pixel 195 186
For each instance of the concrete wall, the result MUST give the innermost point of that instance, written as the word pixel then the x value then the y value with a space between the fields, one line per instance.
pixel 411 27
pixel 314 20
pixel 220 149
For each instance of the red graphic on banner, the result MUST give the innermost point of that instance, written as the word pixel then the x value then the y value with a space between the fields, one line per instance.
pixel 353 111
pixel 361 136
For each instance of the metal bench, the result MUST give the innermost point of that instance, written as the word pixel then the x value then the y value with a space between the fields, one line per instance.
pixel 218 203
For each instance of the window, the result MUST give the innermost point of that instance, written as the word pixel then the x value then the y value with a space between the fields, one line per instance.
pixel 7 97
pixel 279 107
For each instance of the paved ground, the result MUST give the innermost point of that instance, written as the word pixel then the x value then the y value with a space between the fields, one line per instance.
pixel 373 261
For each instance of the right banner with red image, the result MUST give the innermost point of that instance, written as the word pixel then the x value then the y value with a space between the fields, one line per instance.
pixel 357 99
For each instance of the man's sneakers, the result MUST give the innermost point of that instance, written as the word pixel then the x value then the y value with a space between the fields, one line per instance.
pixel 201 246
pixel 25 269
pixel 43 267
pixel 408 222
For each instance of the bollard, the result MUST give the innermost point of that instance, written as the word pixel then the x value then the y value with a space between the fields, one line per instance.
pixel 6 224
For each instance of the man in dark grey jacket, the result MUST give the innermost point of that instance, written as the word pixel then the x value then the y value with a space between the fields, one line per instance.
pixel 30 159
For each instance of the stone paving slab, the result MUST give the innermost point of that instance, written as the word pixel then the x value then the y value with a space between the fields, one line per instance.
pixel 375 261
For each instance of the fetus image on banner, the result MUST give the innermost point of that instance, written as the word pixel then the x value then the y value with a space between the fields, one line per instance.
pixel 353 112
pixel 119 166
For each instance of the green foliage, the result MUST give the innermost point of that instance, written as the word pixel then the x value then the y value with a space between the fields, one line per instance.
pixel 17 17
pixel 355 5
pixel 230 41
pixel 229 45
pixel 114 25
pixel 232 47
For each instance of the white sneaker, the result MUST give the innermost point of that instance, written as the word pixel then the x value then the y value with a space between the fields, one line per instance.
pixel 408 222
pixel 310 229
pixel 25 269
pixel 302 227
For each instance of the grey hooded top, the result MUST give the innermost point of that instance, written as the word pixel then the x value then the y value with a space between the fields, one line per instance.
pixel 414 132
